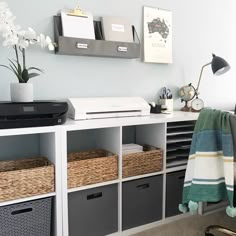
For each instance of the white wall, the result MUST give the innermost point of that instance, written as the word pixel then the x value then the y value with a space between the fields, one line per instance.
pixel 200 27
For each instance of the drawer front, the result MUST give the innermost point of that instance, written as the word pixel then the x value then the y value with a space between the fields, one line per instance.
pixel 93 212
pixel 174 188
pixel 142 201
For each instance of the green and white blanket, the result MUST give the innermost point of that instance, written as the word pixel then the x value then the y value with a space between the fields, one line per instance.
pixel 210 170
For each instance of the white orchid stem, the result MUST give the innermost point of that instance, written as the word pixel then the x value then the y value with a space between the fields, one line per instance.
pixel 23 54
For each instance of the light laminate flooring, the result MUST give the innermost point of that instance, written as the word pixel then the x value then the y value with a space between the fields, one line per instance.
pixel 192 226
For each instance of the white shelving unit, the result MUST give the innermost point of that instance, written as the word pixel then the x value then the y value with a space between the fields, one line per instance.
pixel 111 134
pixel 30 142
pixel 55 142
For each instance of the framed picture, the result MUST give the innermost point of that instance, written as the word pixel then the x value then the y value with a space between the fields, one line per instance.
pixel 157 25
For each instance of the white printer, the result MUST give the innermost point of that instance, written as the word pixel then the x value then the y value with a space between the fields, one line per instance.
pixel 107 107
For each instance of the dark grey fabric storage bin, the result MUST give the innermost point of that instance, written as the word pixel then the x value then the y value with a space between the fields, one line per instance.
pixel 174 188
pixel 142 201
pixel 26 219
pixel 93 212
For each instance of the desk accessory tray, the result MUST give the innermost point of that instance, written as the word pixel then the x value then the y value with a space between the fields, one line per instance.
pixel 96 48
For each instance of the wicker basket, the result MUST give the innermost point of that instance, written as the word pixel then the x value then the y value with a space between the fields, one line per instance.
pixel 143 162
pixel 25 178
pixel 90 167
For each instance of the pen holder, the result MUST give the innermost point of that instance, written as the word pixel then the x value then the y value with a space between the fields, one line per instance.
pixel 169 103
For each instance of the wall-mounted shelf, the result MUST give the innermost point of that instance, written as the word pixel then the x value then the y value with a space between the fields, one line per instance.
pixel 95 48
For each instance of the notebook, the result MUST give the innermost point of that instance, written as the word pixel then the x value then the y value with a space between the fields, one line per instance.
pixel 117 29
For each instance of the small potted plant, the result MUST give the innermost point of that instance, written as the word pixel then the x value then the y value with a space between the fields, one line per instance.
pixel 19 40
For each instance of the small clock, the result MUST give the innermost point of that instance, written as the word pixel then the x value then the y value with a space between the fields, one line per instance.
pixel 197 104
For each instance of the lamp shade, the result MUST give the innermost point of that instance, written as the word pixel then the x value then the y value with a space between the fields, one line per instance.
pixel 219 65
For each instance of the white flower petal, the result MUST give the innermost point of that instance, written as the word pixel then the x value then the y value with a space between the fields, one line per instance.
pixel 48 40
pixel 51 47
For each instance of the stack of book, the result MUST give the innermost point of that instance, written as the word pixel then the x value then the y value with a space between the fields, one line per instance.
pixel 131 148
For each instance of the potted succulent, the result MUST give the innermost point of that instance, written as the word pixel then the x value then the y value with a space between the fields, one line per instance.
pixel 19 40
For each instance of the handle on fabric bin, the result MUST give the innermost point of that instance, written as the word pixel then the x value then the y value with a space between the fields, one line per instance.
pixel 22 211
pixel 143 186
pixel 94 196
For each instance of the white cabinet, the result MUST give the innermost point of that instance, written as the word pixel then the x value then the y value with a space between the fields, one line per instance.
pixel 110 134
pixel 75 136
pixel 26 143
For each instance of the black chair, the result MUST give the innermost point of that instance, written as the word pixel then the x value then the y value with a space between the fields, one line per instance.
pixel 217 227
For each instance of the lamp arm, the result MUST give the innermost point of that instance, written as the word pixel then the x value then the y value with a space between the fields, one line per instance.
pixel 199 80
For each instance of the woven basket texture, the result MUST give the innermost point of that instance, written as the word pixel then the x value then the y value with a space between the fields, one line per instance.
pixel 25 178
pixel 90 167
pixel 148 161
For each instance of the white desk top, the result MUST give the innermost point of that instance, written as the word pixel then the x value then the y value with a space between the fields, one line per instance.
pixel 127 121
pixel 104 123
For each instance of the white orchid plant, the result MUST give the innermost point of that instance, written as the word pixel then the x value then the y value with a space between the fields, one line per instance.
pixel 20 40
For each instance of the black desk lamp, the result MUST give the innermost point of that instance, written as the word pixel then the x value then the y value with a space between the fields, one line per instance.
pixel 219 66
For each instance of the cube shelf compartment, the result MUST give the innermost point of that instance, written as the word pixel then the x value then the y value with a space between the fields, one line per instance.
pixel 179 138
pixel 25 178
pixel 93 212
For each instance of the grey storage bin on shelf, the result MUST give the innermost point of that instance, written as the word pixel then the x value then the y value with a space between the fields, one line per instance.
pixel 93 212
pixel 96 48
pixel 142 201
pixel 29 218
pixel 174 189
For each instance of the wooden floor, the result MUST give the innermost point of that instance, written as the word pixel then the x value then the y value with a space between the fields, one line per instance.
pixel 192 226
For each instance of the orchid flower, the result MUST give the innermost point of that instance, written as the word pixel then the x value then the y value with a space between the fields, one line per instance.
pixel 20 40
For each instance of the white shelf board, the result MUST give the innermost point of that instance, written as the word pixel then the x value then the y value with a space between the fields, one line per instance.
pixel 176 163
pixel 129 121
pixel 20 200
pixel 30 130
pixel 71 190
pixel 179 140
pixel 142 176
pixel 179 133
pixel 177 168
pixel 178 126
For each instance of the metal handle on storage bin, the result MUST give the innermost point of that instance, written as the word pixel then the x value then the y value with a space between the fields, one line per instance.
pixel 22 211
pixel 94 195
pixel 82 45
pixel 143 186
pixel 122 49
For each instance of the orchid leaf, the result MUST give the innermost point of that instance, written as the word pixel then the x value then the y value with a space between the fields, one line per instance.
pixel 25 75
pixel 12 70
pixel 31 75
pixel 6 67
pixel 35 68
pixel 17 70
pixel 19 67
pixel 13 64
pixel 17 75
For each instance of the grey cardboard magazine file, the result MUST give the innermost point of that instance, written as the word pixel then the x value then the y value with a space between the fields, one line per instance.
pixel 117 29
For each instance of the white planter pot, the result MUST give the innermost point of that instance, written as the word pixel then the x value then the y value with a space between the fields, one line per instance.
pixel 22 92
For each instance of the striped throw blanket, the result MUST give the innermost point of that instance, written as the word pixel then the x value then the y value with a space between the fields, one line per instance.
pixel 210 170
